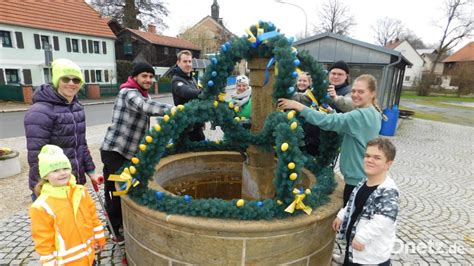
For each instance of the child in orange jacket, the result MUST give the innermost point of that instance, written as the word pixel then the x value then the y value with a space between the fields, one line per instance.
pixel 65 226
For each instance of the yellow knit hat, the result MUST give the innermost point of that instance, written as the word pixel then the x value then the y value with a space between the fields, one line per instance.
pixel 51 158
pixel 65 67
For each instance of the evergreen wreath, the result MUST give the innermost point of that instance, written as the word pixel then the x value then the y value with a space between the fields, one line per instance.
pixel 282 132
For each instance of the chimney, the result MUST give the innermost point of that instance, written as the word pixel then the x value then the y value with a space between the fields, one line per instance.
pixel 152 28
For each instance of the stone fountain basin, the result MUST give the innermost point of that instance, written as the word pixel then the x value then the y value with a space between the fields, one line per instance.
pixel 156 238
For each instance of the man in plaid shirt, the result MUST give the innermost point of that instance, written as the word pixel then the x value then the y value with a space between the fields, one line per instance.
pixel 130 120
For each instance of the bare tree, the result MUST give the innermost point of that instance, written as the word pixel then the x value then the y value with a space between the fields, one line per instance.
pixel 413 39
pixel 335 18
pixel 458 25
pixel 387 29
pixel 134 14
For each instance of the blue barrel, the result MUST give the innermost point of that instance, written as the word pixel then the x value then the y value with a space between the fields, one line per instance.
pixel 390 126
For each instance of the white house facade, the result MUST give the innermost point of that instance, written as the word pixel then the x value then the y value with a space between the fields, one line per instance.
pixel 412 73
pixel 23 55
pixel 37 33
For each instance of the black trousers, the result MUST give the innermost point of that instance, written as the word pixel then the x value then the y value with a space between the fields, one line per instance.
pixel 113 161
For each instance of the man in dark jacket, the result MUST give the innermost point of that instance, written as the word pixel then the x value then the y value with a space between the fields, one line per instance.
pixel 130 120
pixel 184 89
pixel 339 89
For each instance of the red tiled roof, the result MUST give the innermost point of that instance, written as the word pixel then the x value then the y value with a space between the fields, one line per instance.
pixel 464 54
pixel 165 40
pixel 393 44
pixel 73 16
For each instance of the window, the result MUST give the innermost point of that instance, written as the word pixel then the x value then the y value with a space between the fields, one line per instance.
pixel 47 74
pixel 407 78
pixel 75 45
pixel 86 76
pixel 45 44
pixel 96 47
pixel 166 50
pixel 11 76
pixel 6 38
pixel 98 75
pixel 127 49
pixel 104 47
pixel 408 66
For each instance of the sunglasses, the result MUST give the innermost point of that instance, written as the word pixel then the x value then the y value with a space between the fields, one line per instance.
pixel 68 79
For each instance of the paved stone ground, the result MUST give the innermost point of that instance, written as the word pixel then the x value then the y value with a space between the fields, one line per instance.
pixel 433 169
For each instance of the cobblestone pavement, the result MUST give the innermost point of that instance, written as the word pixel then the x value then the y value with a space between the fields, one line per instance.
pixel 433 169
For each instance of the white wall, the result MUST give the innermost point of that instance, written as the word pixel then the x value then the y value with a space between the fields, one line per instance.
pixel 34 59
pixel 413 73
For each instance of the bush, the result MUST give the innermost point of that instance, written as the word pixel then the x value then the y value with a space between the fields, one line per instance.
pixel 424 86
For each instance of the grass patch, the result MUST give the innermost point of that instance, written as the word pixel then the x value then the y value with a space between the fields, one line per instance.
pixel 426 115
pixel 436 98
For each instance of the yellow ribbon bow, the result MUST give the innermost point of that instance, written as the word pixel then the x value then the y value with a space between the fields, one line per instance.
pixel 298 203
pixel 123 177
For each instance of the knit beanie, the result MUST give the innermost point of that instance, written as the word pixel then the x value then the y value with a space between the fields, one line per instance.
pixel 142 67
pixel 65 67
pixel 51 158
pixel 341 65
pixel 242 79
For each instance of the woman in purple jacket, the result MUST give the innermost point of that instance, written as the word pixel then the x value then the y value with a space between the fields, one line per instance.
pixel 56 117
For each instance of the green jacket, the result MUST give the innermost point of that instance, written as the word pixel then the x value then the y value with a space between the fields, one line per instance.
pixel 246 109
pixel 357 127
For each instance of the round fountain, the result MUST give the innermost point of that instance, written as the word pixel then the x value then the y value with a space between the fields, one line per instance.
pixel 155 237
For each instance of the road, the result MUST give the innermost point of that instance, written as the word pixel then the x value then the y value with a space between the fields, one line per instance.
pixel 11 124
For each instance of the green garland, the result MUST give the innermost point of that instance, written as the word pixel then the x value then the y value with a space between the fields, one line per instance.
pixel 282 132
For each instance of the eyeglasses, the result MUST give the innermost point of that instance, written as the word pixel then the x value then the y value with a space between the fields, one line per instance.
pixel 68 79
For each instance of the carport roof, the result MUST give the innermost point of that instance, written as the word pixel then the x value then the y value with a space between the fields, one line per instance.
pixel 354 42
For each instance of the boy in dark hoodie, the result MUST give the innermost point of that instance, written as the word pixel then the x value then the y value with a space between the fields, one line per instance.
pixel 130 120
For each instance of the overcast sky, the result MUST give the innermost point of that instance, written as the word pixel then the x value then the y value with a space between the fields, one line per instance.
pixel 420 16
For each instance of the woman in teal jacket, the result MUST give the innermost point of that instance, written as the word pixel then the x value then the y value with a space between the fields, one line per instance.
pixel 242 97
pixel 357 127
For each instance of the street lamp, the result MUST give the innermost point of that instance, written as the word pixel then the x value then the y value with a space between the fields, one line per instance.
pixel 304 12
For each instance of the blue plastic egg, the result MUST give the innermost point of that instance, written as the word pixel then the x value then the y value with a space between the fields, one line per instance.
pixel 159 195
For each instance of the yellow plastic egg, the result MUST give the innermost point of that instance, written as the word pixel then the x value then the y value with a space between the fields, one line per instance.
pixel 180 107
pixel 148 139
pixel 173 110
pixel 133 170
pixel 237 118
pixel 166 118
pixel 169 145
pixel 293 176
pixel 217 142
pixel 294 125
pixel 125 170
pixel 291 165
pixel 216 103
pixel 231 105
pixel 290 115
pixel 279 202
pixel 240 203
pixel 236 109
pixel 307 191
pixel 135 160
pixel 284 146
pixel 142 147
pixel 221 96
pixel 157 127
